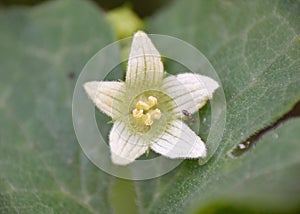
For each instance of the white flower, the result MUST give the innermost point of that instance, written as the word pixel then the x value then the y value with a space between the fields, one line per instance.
pixel 147 108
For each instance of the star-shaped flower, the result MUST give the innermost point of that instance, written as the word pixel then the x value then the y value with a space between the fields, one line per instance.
pixel 147 109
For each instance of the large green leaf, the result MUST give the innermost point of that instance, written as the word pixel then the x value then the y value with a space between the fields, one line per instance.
pixel 254 47
pixel 265 179
pixel 42 51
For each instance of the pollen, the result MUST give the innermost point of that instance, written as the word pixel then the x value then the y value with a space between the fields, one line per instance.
pixel 148 121
pixel 156 114
pixel 147 111
pixel 137 113
pixel 152 100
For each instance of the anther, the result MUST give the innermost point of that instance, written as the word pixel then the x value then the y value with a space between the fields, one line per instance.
pixel 148 121
pixel 152 101
pixel 156 114
pixel 142 105
pixel 137 113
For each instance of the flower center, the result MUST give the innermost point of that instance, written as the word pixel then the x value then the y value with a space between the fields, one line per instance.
pixel 149 112
pixel 146 112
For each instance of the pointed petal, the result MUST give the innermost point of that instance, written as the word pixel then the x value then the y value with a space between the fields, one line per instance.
pixel 189 91
pixel 125 146
pixel 107 96
pixel 144 64
pixel 179 141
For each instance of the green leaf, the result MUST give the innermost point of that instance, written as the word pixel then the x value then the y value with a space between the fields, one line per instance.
pixel 42 51
pixel 254 47
pixel 256 55
pixel 265 179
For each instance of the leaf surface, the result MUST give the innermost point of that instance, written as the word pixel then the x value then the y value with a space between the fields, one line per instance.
pixel 254 47
pixel 42 51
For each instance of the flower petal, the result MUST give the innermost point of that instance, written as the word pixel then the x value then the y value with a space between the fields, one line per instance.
pixel 179 141
pixel 125 146
pixel 144 65
pixel 189 91
pixel 107 96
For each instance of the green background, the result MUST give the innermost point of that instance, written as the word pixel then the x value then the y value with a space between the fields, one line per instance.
pixel 253 45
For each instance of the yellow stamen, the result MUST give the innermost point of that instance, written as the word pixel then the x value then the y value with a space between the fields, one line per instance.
pixel 144 111
pixel 148 121
pixel 137 113
pixel 142 105
pixel 152 101
pixel 156 114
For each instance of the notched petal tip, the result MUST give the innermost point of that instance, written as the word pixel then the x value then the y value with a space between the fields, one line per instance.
pixel 106 96
pixel 91 88
pixel 199 151
pixel 140 33
pixel 210 84
pixel 189 91
pixel 144 63
pixel 179 141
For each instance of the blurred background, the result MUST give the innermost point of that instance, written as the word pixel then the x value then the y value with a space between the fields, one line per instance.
pixel 142 8
pixel 43 46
